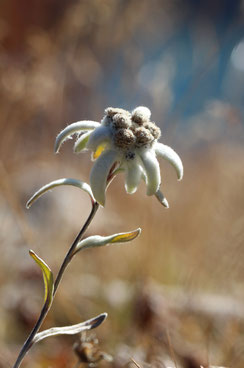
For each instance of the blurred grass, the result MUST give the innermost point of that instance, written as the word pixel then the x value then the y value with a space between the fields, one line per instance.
pixel 177 291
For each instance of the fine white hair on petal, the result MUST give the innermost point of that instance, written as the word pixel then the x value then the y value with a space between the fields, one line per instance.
pixel 170 155
pixel 99 174
pixel 81 142
pixel 74 128
pixel 98 136
pixel 142 111
pixel 152 170
pixel 133 175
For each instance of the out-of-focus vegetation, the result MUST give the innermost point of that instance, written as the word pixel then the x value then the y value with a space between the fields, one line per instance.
pixel 175 296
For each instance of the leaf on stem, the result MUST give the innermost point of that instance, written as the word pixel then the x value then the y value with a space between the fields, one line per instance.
pixel 56 183
pixel 47 278
pixel 98 241
pixel 71 330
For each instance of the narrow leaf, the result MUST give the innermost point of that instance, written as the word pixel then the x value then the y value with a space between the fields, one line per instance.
pixel 98 241
pixel 47 278
pixel 71 330
pixel 125 237
pixel 56 183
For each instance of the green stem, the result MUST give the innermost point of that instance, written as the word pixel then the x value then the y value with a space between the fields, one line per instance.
pixel 29 341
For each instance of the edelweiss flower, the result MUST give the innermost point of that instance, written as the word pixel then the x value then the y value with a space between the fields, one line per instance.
pixel 127 142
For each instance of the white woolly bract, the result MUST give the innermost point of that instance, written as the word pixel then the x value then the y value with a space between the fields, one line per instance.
pixel 133 175
pixel 171 156
pixel 74 128
pixel 100 172
pixel 161 198
pixel 99 136
pixel 152 170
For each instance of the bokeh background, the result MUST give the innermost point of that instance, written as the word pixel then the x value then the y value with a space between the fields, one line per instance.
pixel 175 296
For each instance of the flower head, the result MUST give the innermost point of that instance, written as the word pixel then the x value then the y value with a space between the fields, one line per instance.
pixel 123 141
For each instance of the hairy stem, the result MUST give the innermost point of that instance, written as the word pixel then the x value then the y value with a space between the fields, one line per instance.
pixel 69 254
pixel 29 341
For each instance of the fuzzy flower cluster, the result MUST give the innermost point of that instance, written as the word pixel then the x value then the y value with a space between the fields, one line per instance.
pixel 131 131
pixel 123 141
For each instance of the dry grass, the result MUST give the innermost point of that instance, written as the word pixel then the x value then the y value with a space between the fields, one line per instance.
pixel 176 292
pixel 175 295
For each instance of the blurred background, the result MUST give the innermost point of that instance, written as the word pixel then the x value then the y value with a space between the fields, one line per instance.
pixel 175 296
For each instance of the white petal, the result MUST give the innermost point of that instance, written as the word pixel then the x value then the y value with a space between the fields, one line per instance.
pixel 161 198
pixel 152 170
pixel 99 136
pixel 99 174
pixel 73 128
pixel 133 175
pixel 170 155
pixel 81 142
